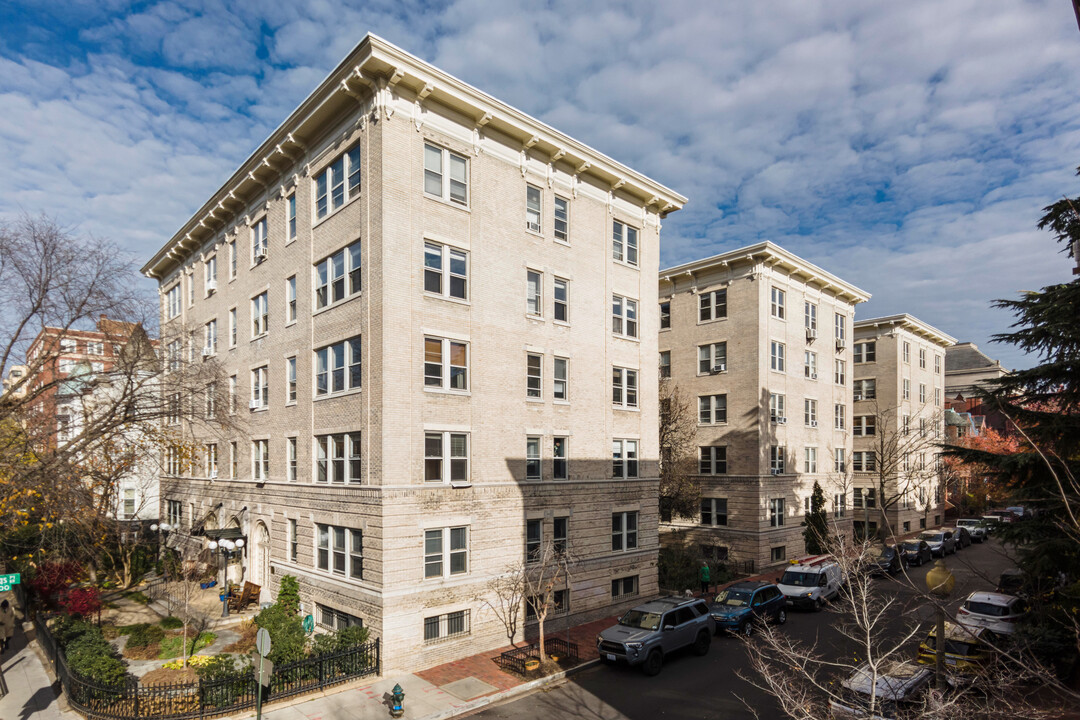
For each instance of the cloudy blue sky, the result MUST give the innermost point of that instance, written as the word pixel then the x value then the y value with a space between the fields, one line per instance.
pixel 905 146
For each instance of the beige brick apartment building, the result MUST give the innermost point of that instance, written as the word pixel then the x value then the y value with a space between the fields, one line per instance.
pixel 435 314
pixel 899 374
pixel 760 340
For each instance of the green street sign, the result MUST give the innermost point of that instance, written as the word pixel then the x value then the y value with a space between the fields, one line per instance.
pixel 309 624
pixel 6 581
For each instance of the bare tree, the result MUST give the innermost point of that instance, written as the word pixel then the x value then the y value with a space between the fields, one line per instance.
pixel 504 595
pixel 680 489
pixel 185 575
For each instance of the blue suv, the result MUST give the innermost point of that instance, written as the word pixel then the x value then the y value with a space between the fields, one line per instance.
pixel 744 604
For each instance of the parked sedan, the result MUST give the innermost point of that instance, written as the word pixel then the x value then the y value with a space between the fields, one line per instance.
pixel 746 604
pixel 962 537
pixel 995 611
pixel 916 552
pixel 941 542
pixel 967 649
pixel 883 559
pixel 976 527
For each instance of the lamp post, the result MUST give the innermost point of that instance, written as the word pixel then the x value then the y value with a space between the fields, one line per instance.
pixel 164 528
pixel 226 547
pixel 940 582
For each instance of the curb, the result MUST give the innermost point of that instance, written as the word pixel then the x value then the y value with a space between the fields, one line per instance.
pixel 498 697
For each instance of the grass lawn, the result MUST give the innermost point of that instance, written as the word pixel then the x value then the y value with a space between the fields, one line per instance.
pixel 170 646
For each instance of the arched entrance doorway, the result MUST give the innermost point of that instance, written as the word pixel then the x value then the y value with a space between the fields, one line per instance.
pixel 260 559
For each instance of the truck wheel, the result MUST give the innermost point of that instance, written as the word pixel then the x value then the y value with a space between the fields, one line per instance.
pixel 653 663
pixel 701 645
pixel 819 604
pixel 746 629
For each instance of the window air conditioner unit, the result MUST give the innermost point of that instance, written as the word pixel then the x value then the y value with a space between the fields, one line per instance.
pixel 211 286
pixel 840 344
pixel 774 471
pixel 811 333
pixel 719 368
pixel 213 474
pixel 207 352
pixel 254 405
pixel 858 396
pixel 260 254
pixel 813 423
pixel 813 376
pixel 781 421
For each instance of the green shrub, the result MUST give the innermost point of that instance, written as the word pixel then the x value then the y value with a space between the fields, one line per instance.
pixel 128 629
pixel 90 655
pixel 172 623
pixel 352 636
pixel 288 595
pixel 67 629
pixel 234 680
pixel 286 633
pixel 144 635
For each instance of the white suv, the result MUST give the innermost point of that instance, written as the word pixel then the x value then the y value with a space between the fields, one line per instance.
pixel 995 611
pixel 976 527
pixel 810 582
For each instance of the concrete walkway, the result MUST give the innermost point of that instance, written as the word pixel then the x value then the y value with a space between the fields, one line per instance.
pixel 31 695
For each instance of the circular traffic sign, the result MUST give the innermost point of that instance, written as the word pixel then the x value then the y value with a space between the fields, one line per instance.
pixel 262 642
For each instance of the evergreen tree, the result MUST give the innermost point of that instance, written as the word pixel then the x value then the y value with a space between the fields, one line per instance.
pixel 816 524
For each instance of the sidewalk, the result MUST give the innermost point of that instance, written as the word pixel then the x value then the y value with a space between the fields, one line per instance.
pixel 31 695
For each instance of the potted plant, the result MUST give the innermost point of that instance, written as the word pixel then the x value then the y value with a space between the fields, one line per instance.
pixel 532 664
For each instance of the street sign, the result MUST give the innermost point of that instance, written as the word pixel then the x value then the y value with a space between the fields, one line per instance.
pixel 262 642
pixel 6 581
pixel 309 624
pixel 264 669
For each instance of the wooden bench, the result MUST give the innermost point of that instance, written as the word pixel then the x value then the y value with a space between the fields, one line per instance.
pixel 249 595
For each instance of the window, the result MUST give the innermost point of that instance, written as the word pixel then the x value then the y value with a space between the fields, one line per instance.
pixel 172 301
pixel 260 314
pixel 864 497
pixel 172 460
pixel 865 389
pixel 776 512
pixel 839 328
pixel 94 347
pixel 294 541
pixel 337 458
pixel 232 259
pixel 291 442
pixel 810 316
pixel 712 409
pixel 864 352
pixel 906 425
pixel 624 243
pixel 210 338
pixel 665 363
pixel 444 627
pixel 907 389
pixel 210 404
pixel 776 459
pixel 776 408
pixel 777 302
pixel 533 208
pixel 290 368
pixel 338 367
pixel 332 619
pixel 712 305
pixel 562 300
pixel 534 379
pixel 260 460
pixel 211 460
pixel 338 183
pixel 810 412
pixel 446 456
pixel 810 464
pixel 810 364
pixel 446 552
pixel 453 185
pixel 232 327
pixel 341 551
pixel 175 512
pixel 192 349
pixel 560 470
pixel 624 587
pixel 840 372
pixel 937 364
pixel 907 352
pixel 533 540
pixel 863 461
pixel 922 358
pixel 937 396
pixel 210 274
pixel 260 380
pixel 778 554
pixel 839 410
pixel 260 243
pixel 445 271
pixel 623 316
pixel 337 277
pixel 560 536
pixel 534 301
pixel 234 460
pixel 624 531
pixel 562 219
pixel 776 356
pixel 290 299
pixel 174 353
pixel 863 425
pixel 446 364
pixel 232 394
pixel 714 511
pixel 290 217
pixel 532 458
pixel 560 390
pixel 172 416
pixel 624 388
pixel 712 358
pixel 839 504
pixel 712 460
pixel 922 392
pixel 624 459
pixel 840 466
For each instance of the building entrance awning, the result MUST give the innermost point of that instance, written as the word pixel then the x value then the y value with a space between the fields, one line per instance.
pixel 225 534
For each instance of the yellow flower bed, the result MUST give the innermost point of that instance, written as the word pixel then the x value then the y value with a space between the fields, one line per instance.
pixel 193 661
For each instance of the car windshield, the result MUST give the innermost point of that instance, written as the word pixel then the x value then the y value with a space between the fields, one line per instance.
pixel 641 619
pixel 733 598
pixel 911 546
pixel 799 579
pixel 968 523
pixel 932 537
pixel 984 608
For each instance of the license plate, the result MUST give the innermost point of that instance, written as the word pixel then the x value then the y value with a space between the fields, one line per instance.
pixel 611 657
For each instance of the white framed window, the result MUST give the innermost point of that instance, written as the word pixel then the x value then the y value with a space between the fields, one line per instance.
pixel 337 277
pixel 210 274
pixel 776 512
pixel 95 347
pixel 533 208
pixel 172 411
pixel 290 299
pixel 712 409
pixel 777 411
pixel 338 367
pixel 260 314
pixel 777 460
pixel 937 364
pixel 864 352
pixel 173 303
pixel 624 458
pixel 778 303
pixel 446 175
pixel 922 358
pixel 840 372
pixel 810 364
pixel 210 338
pixel 937 396
pixel 624 587
pixel 712 358
pixel 260 382
pixel 446 457
pixel 232 394
pixel 839 328
pixel 562 219
pixel 665 363
pixel 863 461
pixel 665 315
pixel 810 316
pixel 534 294
pixel 810 463
pixel 260 460
pixel 173 465
pixel 534 375
pixel 337 458
pixel 561 298
pixel 623 316
pixel 532 458
pixel 777 353
pixel 712 460
pixel 290 379
pixel 624 243
pixel 446 552
pixel 839 413
pixel 907 389
pixel 534 540
pixel 560 462
pixel 446 271
pixel 446 364
pixel 922 392
pixel 210 400
pixel 712 305
pixel 839 504
pixel 624 531
pixel 232 259
pixel 624 388
pixel 446 627
pixel 193 349
pixel 291 459
pixel 338 183
pixel 863 425
pixel 294 541
pixel 714 512
pixel 810 412
pixel 290 218
pixel 234 460
pixel 174 353
pixel 211 460
pixel 191 289
pixel 838 461
pixel 69 345
pixel 905 424
pixel 864 497
pixel 907 352
pixel 340 551
pixel 260 241
pixel 865 389
pixel 561 379
pixel 232 327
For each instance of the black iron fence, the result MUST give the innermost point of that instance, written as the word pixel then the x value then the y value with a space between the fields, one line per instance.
pixel 514 659
pixel 205 698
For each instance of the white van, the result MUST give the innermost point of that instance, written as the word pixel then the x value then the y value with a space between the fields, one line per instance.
pixel 810 582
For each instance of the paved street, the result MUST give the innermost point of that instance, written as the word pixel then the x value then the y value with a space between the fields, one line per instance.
pixel 709 687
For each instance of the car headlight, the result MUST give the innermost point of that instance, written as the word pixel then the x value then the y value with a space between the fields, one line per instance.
pixel 808 593
pixel 599 639
pixel 633 645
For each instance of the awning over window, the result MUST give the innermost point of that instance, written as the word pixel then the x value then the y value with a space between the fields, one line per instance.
pixel 225 534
